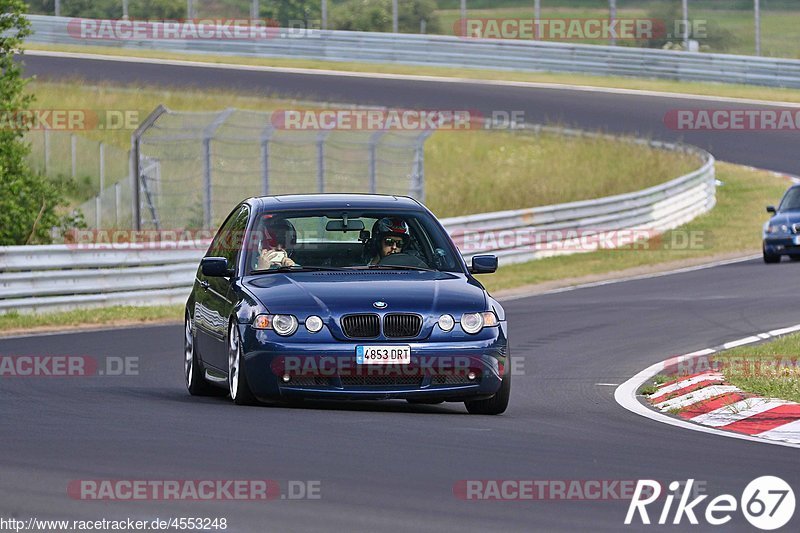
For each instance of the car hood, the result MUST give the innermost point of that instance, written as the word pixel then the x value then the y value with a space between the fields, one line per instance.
pixel 333 294
pixel 786 217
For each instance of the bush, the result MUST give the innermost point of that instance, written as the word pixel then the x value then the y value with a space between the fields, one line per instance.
pixel 714 38
pixel 376 15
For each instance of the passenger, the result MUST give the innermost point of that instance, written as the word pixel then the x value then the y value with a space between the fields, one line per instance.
pixel 280 238
pixel 390 235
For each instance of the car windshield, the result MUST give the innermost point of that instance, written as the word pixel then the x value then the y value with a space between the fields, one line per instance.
pixel 307 240
pixel 791 201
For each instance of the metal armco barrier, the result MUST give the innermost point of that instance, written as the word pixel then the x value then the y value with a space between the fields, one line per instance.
pixel 449 51
pixel 59 277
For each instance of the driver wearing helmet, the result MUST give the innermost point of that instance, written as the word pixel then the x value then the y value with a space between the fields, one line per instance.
pixel 390 235
pixel 279 237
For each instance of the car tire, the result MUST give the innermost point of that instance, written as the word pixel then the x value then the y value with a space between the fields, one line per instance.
pixel 237 377
pixel 495 405
pixel 196 384
pixel 794 257
pixel 771 258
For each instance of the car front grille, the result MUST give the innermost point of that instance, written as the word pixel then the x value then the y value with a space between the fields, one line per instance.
pixel 454 379
pixel 403 325
pixel 361 326
pixel 308 381
pixel 381 381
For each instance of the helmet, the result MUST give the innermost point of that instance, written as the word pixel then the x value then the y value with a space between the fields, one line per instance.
pixel 391 226
pixel 279 231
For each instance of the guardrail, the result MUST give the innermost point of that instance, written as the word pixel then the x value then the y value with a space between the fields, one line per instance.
pixel 59 277
pixel 449 51
pixel 585 226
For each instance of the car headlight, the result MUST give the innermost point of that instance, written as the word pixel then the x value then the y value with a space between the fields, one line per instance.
pixel 283 325
pixel 313 323
pixel 474 322
pixel 446 322
pixel 775 228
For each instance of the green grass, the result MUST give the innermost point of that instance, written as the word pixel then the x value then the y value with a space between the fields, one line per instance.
pixel 732 227
pixel 768 369
pixel 679 87
pixel 121 315
pixel 485 171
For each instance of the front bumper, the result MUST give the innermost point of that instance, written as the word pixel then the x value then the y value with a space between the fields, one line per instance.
pixel 457 370
pixel 784 245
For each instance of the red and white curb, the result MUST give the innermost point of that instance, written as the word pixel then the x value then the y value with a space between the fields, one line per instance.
pixel 705 402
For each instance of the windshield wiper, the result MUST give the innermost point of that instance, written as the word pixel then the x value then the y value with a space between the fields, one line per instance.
pixel 295 268
pixel 403 267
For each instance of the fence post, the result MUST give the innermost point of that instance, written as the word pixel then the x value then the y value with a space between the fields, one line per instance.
pixel 208 134
pixel 102 167
pixel 373 160
pixel 266 135
pixel 135 168
pixel 98 205
pixel 73 141
pixel 46 151
pixel 321 137
pixel 418 172
pixel 117 201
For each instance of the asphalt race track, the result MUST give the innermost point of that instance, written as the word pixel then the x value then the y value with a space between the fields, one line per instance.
pixel 391 466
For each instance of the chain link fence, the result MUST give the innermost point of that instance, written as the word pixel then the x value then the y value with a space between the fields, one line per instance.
pixel 194 167
pixel 94 168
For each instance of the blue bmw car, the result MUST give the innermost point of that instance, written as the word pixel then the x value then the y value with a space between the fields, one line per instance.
pixel 781 235
pixel 344 297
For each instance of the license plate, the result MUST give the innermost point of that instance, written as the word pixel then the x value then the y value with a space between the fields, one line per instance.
pixel 383 355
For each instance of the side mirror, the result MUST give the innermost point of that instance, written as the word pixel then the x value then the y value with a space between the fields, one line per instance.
pixel 771 209
pixel 483 264
pixel 214 267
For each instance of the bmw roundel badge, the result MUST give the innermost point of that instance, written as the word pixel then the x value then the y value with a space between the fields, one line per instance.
pixel 379 305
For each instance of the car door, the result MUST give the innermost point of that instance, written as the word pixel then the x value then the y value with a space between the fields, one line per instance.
pixel 214 301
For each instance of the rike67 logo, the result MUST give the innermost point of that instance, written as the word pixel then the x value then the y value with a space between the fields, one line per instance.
pixel 767 503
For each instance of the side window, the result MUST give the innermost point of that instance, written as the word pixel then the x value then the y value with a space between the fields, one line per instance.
pixel 228 240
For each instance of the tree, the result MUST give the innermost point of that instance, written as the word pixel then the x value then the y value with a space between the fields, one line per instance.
pixel 28 202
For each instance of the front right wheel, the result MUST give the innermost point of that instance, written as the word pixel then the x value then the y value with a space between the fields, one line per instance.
pixel 495 405
pixel 770 258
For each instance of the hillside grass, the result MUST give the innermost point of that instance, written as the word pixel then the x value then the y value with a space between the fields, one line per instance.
pixel 469 171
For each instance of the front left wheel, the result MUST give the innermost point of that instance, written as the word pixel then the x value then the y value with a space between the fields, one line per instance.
pixel 770 258
pixel 495 405
pixel 237 378
pixel 192 370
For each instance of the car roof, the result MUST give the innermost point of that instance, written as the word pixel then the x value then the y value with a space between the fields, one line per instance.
pixel 287 202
